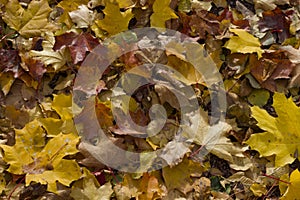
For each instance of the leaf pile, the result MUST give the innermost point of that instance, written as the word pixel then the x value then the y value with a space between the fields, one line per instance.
pixel 255 46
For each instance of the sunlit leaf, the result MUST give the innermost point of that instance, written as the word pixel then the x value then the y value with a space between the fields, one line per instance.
pixel 244 42
pixel 281 133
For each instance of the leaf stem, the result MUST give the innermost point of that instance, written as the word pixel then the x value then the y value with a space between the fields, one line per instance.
pixel 277 179
pixel 14 189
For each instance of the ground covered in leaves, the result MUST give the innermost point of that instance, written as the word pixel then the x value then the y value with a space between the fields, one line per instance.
pixel 255 46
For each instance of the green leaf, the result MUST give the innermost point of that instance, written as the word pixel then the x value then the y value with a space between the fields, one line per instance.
pixel 259 97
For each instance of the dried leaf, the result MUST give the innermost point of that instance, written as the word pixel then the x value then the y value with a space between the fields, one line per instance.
pixel 31 21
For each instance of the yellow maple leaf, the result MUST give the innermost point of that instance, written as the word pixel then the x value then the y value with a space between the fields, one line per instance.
pixel 29 140
pixel 71 5
pixel 88 188
pixel 42 162
pixel 244 42
pixel 114 21
pixel 28 22
pixel 293 190
pixel 281 136
pixel 161 13
pixel 179 176
pixel 62 104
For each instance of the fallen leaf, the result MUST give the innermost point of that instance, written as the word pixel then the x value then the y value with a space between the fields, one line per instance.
pixel 62 104
pixel 281 133
pixel 294 56
pixel 204 22
pixel 70 6
pixel 78 45
pixel 244 42
pixel 161 13
pixel 29 22
pixel 259 97
pixel 57 59
pixel 213 139
pixel 114 21
pixel 10 61
pixel 90 191
pixel 277 22
pixel 258 189
pixel 83 17
pixel 35 67
pixel 147 187
pixel 6 81
pixel 272 67
pixel 293 190
pixel 180 176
